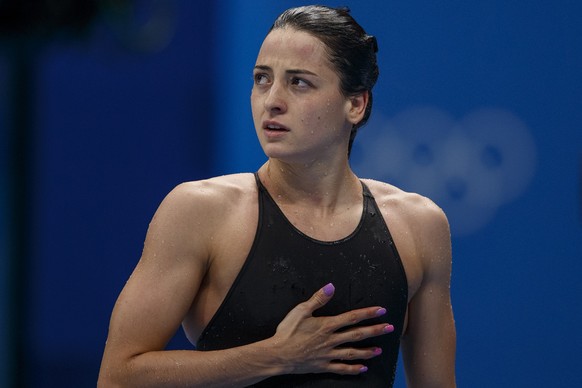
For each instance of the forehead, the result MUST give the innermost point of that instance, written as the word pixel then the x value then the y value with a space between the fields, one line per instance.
pixel 295 48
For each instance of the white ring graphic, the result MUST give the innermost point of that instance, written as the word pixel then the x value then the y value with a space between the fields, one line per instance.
pixel 469 167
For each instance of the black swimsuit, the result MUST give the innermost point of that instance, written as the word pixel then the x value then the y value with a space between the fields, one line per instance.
pixel 285 267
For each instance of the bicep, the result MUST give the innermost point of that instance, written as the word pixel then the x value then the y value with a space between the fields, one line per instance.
pixel 161 289
pixel 428 346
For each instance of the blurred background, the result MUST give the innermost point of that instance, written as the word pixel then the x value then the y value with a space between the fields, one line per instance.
pixel 106 105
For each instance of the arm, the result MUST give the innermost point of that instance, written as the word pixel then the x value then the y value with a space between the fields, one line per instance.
pixel 428 346
pixel 160 292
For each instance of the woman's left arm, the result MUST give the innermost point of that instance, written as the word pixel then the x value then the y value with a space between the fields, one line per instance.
pixel 429 344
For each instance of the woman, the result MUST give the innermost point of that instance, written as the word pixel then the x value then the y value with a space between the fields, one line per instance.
pixel 290 276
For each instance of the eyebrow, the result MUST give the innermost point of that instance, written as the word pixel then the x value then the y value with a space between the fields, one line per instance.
pixel 290 71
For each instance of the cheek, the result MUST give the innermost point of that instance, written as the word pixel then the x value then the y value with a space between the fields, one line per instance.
pixel 321 112
pixel 330 117
pixel 312 120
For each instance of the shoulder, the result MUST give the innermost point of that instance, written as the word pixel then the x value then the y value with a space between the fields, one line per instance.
pixel 413 205
pixel 220 185
pixel 223 190
pixel 417 219
pixel 207 202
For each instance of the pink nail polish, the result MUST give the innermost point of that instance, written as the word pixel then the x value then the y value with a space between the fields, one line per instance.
pixel 363 369
pixel 378 351
pixel 388 329
pixel 328 289
pixel 380 312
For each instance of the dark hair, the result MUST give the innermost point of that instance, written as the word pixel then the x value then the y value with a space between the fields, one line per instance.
pixel 350 49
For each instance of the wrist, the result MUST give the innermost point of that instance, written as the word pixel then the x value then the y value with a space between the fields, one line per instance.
pixel 271 357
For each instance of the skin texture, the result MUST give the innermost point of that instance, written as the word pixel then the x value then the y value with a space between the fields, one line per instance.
pixel 202 232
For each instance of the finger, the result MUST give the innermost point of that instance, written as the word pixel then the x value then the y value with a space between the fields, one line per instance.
pixel 356 316
pixel 346 369
pixel 360 333
pixel 350 354
pixel 320 298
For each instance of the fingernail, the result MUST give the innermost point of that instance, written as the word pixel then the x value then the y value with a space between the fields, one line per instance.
pixel 380 312
pixel 328 289
pixel 388 329
pixel 378 351
pixel 363 369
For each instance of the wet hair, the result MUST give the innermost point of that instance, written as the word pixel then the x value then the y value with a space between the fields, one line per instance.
pixel 350 50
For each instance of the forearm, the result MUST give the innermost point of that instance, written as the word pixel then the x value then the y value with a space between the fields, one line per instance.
pixel 302 344
pixel 235 367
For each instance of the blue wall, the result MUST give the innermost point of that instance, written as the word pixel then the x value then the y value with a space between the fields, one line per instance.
pixel 478 106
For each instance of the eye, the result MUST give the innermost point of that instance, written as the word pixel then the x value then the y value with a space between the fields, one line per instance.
pixel 261 79
pixel 299 82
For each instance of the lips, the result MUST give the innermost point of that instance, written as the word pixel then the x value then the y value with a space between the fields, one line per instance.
pixel 274 127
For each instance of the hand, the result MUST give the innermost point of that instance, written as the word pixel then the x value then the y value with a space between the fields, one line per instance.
pixel 313 344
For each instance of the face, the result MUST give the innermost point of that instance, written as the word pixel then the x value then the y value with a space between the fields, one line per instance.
pixel 299 112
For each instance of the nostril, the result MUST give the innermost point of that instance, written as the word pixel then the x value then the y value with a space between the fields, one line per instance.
pixel 274 105
pixel 275 109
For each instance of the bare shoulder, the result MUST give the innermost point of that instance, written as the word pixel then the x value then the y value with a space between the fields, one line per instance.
pixel 420 209
pixel 194 212
pixel 419 225
pixel 216 188
pixel 212 196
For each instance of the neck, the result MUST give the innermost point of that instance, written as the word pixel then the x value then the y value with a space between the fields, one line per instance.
pixel 314 184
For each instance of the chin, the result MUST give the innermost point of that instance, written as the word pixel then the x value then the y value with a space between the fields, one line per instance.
pixel 286 156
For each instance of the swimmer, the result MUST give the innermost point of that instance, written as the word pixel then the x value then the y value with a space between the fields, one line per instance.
pixel 300 274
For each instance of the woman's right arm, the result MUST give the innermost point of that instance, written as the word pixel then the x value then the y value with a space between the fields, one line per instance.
pixel 160 292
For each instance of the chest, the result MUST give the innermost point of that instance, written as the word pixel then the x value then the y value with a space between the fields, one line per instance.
pixel 293 255
pixel 321 225
pixel 285 267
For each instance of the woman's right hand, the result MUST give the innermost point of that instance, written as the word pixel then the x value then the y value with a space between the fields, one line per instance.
pixel 309 344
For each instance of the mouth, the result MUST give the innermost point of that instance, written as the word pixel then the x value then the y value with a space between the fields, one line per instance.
pixel 274 127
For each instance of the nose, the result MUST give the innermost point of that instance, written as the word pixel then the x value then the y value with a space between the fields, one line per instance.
pixel 275 101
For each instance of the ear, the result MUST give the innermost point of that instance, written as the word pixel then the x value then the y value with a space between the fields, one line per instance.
pixel 357 107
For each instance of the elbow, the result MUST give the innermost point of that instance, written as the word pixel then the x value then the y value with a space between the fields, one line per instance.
pixel 112 375
pixel 107 380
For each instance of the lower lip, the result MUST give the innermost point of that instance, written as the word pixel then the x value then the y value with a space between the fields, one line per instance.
pixel 274 134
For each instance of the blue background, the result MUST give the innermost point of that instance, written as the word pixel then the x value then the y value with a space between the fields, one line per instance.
pixel 118 124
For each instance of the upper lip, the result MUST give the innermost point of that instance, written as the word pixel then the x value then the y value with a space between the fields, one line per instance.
pixel 269 124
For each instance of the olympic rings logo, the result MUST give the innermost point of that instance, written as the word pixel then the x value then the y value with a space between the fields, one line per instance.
pixel 470 167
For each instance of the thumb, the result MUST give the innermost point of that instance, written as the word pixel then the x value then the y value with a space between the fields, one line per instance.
pixel 306 309
pixel 321 297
